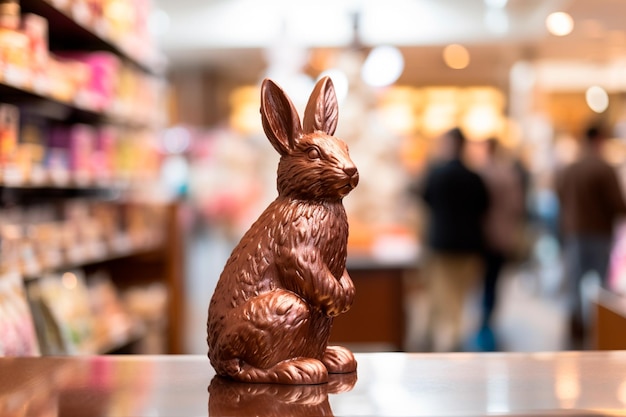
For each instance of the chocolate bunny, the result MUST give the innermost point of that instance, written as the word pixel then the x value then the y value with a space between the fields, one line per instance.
pixel 272 310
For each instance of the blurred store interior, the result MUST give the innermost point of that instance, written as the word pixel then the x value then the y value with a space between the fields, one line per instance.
pixel 157 179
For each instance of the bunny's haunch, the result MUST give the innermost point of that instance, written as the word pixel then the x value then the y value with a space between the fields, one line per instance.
pixel 272 310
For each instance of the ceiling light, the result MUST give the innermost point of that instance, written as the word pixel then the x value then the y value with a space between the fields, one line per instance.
pixel 383 66
pixel 456 56
pixel 560 23
pixel 597 99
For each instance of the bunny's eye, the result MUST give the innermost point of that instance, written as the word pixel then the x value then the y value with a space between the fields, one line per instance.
pixel 313 153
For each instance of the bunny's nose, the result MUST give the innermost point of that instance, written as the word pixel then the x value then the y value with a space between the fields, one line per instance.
pixel 350 170
pixel 353 174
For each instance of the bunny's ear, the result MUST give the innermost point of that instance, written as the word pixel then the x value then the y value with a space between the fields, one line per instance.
pixel 322 110
pixel 281 122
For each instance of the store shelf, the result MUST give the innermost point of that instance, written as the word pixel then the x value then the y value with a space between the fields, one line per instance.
pixel 102 254
pixel 37 104
pixel 34 103
pixel 120 340
pixel 33 194
pixel 70 34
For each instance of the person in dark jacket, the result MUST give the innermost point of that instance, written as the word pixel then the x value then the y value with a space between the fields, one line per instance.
pixel 457 200
pixel 591 202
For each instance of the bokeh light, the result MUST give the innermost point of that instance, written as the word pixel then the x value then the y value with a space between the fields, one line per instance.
pixel 383 66
pixel 560 23
pixel 456 56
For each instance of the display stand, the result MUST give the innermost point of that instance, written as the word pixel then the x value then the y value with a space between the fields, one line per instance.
pixel 610 321
pixel 376 320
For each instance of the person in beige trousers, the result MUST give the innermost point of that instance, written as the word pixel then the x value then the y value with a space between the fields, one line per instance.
pixel 456 200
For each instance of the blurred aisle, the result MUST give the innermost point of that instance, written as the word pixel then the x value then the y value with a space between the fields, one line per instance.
pixel 206 256
pixel 531 315
pixel 530 319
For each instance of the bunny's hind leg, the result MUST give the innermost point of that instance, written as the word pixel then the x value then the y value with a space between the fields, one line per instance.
pixel 269 343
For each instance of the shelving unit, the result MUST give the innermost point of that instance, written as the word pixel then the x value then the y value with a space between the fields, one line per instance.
pixel 137 243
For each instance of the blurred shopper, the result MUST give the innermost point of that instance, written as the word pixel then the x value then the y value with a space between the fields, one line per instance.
pixel 504 228
pixel 457 201
pixel 591 201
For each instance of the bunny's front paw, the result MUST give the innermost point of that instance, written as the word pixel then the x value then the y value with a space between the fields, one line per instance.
pixel 339 360
pixel 343 296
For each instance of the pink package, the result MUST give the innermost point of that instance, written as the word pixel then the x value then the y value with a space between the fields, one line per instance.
pixel 72 147
pixel 81 141
pixel 102 84
pixel 103 154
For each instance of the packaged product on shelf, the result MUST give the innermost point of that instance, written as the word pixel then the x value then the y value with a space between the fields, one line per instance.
pixel 146 168
pixel 127 26
pixel 120 240
pixel 139 97
pixel 47 240
pixel 9 240
pixel 68 79
pixel 76 219
pixel 9 125
pixel 135 222
pixel 35 28
pixel 108 217
pixel 34 234
pixel 137 157
pixel 58 156
pixel 26 262
pixel 125 156
pixel 119 18
pixel 103 155
pixel 14 46
pixel 51 341
pixel 66 297
pixel 17 333
pixel 114 326
pixel 72 251
pixel 148 303
pixel 97 91
pixel 32 149
pixel 10 14
pixel 85 12
pixel 144 224
pixel 123 105
pixel 140 226
pixel 93 241
pixel 29 262
pixel 81 138
pixel 63 5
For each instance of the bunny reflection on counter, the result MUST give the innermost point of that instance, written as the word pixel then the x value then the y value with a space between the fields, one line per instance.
pixel 229 398
pixel 272 311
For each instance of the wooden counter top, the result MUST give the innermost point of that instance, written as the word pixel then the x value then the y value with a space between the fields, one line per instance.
pixel 388 384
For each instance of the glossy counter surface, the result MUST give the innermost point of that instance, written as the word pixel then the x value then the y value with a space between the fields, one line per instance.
pixel 388 384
